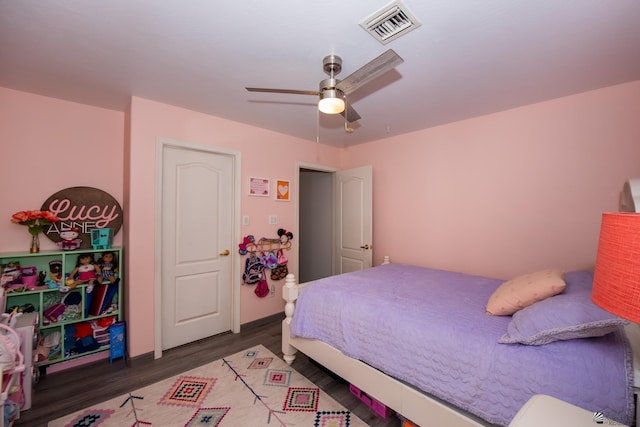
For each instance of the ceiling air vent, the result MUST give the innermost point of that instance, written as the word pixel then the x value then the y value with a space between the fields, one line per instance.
pixel 390 22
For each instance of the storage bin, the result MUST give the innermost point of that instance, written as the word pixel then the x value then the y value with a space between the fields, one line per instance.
pixel 372 403
pixel 406 423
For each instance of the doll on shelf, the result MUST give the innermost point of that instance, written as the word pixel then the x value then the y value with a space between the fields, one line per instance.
pixel 86 272
pixel 108 264
pixel 55 274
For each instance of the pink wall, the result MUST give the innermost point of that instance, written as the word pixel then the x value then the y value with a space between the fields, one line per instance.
pixel 264 153
pixel 506 193
pixel 496 195
pixel 47 145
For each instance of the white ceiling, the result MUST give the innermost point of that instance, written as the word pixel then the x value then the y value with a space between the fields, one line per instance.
pixel 468 58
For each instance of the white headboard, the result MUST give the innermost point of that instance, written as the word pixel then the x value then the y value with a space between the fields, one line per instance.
pixel 630 196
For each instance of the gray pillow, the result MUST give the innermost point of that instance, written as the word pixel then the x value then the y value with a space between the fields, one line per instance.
pixel 566 316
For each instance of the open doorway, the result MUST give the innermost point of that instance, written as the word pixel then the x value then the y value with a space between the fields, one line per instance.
pixel 334 221
pixel 316 224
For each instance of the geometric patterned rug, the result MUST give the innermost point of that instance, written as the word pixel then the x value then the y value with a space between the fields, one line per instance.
pixel 249 388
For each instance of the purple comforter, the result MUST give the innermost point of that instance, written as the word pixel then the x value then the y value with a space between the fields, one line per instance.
pixel 429 328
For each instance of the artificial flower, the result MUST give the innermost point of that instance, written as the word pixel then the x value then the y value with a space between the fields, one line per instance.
pixel 36 221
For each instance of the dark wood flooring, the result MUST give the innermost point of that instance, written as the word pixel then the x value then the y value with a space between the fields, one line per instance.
pixel 61 393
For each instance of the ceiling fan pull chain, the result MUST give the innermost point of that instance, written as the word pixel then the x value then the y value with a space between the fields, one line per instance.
pixel 346 107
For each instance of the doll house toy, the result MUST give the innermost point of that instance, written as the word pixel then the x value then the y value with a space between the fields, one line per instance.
pixel 101 238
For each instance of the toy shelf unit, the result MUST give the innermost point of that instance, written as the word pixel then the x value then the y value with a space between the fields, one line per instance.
pixel 74 317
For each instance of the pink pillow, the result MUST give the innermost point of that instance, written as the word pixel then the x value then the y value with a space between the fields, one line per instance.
pixel 522 291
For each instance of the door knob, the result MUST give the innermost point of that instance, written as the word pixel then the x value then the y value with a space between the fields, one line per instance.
pixel 365 247
pixel 225 252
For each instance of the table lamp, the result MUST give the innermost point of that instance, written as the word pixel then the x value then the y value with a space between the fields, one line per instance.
pixel 616 280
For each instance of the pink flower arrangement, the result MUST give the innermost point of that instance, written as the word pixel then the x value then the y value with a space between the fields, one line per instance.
pixel 36 221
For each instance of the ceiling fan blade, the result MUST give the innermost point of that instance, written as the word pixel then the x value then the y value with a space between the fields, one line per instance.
pixel 380 65
pixel 350 114
pixel 293 91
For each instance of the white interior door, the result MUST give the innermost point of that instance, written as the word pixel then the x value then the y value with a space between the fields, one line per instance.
pixel 197 208
pixel 354 228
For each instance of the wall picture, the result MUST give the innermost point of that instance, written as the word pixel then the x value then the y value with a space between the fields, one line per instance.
pixel 283 190
pixel 258 186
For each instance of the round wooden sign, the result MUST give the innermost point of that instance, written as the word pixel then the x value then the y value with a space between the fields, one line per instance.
pixel 82 209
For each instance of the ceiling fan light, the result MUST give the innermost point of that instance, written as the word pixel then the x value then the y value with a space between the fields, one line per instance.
pixel 330 102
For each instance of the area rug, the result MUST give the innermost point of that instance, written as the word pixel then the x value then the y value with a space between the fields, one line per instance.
pixel 249 388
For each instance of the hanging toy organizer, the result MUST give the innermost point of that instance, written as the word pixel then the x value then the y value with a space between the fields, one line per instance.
pixel 265 254
pixel 282 242
pixel 264 245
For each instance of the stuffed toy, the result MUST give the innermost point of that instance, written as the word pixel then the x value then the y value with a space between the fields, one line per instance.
pixel 70 239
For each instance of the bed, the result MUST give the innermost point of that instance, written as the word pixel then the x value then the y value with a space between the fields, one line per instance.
pixel 458 366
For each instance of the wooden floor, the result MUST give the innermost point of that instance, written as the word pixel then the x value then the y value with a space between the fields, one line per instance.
pixel 61 393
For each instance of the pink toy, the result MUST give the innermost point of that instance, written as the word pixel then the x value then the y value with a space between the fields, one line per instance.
pixel 70 239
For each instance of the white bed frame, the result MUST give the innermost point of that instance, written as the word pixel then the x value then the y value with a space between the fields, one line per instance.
pixel 412 404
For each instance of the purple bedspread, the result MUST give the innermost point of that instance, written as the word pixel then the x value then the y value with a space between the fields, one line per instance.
pixel 429 328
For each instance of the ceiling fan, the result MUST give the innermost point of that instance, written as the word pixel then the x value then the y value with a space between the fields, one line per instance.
pixel 333 92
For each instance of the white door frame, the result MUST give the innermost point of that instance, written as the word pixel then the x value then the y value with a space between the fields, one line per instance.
pixel 296 191
pixel 161 143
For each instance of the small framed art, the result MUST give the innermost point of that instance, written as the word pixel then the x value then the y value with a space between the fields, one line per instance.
pixel 259 186
pixel 283 190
